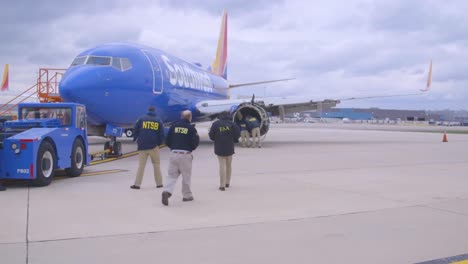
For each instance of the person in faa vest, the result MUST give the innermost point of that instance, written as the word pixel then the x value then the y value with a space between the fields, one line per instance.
pixel 149 134
pixel 224 133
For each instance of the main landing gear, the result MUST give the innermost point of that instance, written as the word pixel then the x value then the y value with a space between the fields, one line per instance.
pixel 128 132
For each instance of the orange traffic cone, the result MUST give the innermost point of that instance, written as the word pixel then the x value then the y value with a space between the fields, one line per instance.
pixel 444 139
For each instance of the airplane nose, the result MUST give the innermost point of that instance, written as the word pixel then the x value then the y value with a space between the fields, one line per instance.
pixel 73 84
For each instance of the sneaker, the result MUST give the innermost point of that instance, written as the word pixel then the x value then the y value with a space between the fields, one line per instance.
pixel 165 198
pixel 159 186
pixel 187 199
pixel 227 185
pixel 222 188
pixel 135 187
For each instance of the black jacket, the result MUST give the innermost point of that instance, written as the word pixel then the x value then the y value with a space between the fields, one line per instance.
pixel 182 135
pixel 252 122
pixel 224 133
pixel 244 125
pixel 148 132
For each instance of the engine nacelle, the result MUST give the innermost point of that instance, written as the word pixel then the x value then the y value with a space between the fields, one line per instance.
pixel 255 110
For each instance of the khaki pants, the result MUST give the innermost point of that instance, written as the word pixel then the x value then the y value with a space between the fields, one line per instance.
pixel 142 157
pixel 225 170
pixel 256 137
pixel 245 141
pixel 179 164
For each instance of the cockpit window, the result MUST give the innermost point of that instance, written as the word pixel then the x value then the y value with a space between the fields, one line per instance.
pixel 126 64
pixel 121 64
pixel 79 61
pixel 101 61
pixel 116 63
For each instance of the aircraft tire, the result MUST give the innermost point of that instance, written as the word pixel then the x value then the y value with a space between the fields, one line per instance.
pixel 129 132
pixel 106 147
pixel 45 165
pixel 117 149
pixel 77 159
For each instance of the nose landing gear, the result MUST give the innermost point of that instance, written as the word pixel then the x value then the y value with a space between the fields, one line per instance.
pixel 112 148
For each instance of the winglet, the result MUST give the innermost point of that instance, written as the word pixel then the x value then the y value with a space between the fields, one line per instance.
pixel 219 65
pixel 429 79
pixel 5 79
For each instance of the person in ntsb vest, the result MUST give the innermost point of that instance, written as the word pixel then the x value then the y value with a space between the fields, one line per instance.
pixel 149 134
pixel 182 138
pixel 255 129
pixel 224 133
pixel 244 133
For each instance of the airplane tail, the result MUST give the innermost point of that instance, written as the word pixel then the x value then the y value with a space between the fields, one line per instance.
pixel 429 79
pixel 219 65
pixel 5 79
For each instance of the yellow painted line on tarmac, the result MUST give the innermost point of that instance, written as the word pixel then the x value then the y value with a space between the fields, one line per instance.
pixel 460 259
pixel 101 172
pixel 130 154
pixel 112 159
pixel 94 173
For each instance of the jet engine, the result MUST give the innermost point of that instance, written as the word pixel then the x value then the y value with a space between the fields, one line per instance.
pixel 253 109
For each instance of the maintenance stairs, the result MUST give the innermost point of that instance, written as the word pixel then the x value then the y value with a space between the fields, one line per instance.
pixel 46 90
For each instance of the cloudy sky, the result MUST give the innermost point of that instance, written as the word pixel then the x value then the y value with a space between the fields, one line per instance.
pixel 334 48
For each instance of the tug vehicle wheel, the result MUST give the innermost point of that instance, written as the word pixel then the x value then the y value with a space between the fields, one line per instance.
pixel 77 159
pixel 45 165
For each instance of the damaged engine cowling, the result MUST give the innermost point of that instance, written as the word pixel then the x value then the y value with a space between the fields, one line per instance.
pixel 253 109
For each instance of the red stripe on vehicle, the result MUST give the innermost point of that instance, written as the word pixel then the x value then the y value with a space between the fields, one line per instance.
pixel 31 171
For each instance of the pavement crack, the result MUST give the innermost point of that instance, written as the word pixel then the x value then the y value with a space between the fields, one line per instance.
pixel 444 210
pixel 27 227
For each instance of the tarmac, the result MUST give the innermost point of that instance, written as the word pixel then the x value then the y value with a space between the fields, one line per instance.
pixel 311 194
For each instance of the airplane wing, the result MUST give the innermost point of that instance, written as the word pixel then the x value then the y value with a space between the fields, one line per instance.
pixel 274 105
pixel 263 108
pixel 256 83
pixel 278 106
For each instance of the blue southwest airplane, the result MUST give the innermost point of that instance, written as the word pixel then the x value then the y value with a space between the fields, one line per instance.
pixel 118 81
